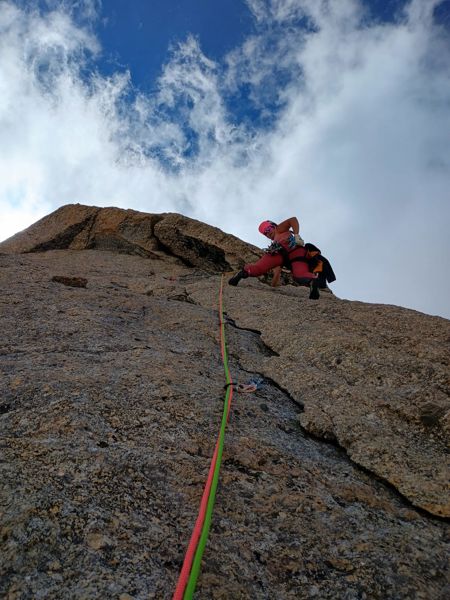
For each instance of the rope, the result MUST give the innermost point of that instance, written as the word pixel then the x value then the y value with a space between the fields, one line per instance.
pixel 191 566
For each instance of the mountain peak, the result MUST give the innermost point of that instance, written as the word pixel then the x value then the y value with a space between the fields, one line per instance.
pixel 79 227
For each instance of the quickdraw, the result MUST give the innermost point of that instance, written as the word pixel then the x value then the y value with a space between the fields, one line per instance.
pixel 251 386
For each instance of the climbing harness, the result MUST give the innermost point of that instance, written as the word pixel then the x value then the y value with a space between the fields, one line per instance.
pixel 191 566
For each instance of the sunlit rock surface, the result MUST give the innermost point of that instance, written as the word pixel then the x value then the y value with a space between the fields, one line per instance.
pixel 166 235
pixel 335 472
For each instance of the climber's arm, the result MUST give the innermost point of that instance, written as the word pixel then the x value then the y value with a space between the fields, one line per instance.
pixel 289 224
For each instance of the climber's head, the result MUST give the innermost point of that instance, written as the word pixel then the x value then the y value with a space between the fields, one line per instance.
pixel 267 228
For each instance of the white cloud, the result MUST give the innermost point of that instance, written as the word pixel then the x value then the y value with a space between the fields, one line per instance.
pixel 190 84
pixel 358 148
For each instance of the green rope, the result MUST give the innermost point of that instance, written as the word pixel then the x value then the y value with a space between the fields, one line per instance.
pixel 195 570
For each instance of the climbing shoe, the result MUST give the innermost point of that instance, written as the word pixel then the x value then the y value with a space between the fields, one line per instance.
pixel 314 290
pixel 236 278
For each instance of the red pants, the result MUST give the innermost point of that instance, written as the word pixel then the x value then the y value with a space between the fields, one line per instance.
pixel 300 269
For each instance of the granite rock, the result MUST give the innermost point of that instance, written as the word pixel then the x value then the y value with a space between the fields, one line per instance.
pixel 333 483
pixel 165 235
pixel 373 378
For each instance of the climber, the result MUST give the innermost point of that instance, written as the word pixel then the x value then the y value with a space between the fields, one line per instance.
pixel 289 250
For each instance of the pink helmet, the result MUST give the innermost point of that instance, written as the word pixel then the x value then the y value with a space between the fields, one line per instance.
pixel 266 227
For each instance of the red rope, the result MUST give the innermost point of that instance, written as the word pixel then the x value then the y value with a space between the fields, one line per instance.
pixel 190 552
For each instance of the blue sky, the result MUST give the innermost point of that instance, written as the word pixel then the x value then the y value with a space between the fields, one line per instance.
pixel 233 112
pixel 138 34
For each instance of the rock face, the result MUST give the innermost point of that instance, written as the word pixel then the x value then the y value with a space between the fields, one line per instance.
pixel 335 472
pixel 79 227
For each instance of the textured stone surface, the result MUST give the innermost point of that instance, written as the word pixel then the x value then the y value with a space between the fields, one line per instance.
pixel 111 399
pixel 375 378
pixel 79 227
pixel 70 281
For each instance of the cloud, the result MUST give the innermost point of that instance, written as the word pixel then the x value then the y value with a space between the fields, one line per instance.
pixel 348 130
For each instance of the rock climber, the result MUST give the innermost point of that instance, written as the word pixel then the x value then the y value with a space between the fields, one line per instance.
pixel 287 249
